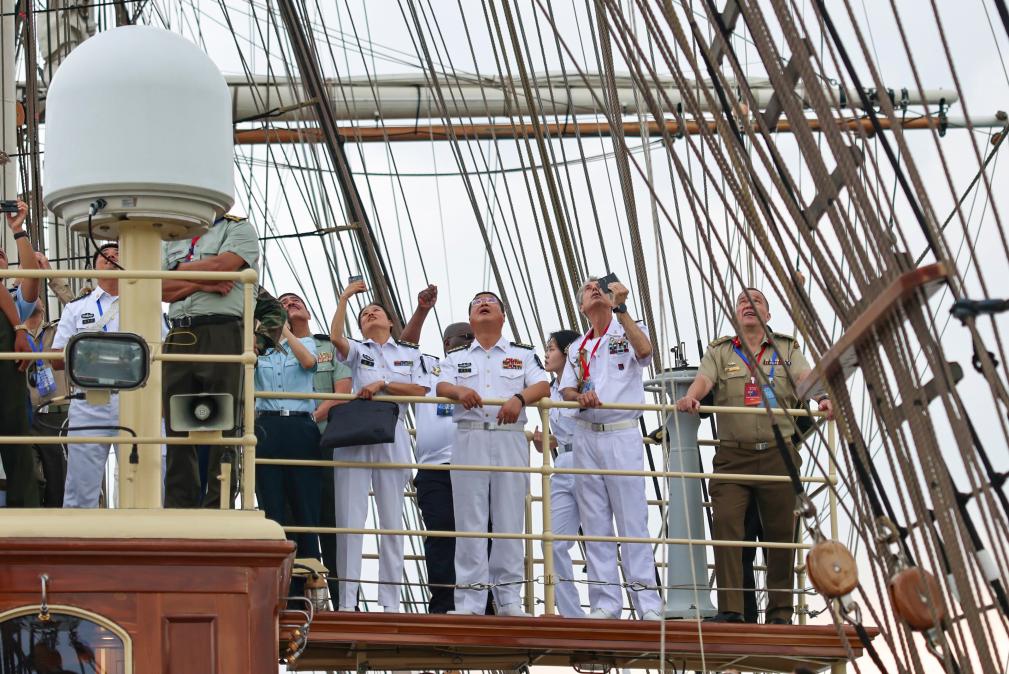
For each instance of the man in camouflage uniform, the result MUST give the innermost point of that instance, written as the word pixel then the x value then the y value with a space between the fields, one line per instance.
pixel 747 445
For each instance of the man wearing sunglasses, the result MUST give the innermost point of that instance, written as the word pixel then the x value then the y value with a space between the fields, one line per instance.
pixel 490 367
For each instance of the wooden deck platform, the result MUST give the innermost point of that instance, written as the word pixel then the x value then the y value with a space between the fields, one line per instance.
pixel 410 641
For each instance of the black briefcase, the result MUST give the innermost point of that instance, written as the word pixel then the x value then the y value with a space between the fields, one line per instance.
pixel 360 422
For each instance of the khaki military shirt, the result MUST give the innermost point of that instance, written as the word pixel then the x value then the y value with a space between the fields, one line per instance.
pixel 722 365
pixel 228 234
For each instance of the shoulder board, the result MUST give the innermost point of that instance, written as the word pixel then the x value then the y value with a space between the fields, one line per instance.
pixel 458 348
pixel 321 337
pixel 410 345
pixel 782 336
pixel 433 359
pixel 718 342
pixel 233 218
pixel 80 297
pixel 522 346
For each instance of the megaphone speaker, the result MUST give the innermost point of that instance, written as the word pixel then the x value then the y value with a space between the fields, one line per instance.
pixel 202 412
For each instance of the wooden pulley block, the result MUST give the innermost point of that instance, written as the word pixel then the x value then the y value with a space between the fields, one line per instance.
pixel 917 598
pixel 831 569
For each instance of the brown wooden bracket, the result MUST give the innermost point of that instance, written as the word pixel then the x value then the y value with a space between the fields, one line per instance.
pixel 841 361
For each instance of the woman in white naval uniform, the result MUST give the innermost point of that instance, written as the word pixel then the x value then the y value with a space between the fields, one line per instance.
pixel 379 365
pixel 606 366
pixel 563 504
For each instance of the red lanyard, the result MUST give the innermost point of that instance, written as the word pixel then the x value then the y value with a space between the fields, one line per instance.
pixel 751 368
pixel 192 248
pixel 581 354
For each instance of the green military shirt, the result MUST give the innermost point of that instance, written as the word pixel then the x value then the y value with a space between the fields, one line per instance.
pixel 722 365
pixel 228 234
pixel 270 318
pixel 329 370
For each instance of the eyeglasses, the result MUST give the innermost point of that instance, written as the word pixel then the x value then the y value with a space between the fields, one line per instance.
pixel 484 299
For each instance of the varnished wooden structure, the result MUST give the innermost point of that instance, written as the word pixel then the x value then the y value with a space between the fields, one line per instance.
pixel 840 361
pixel 193 598
pixel 382 641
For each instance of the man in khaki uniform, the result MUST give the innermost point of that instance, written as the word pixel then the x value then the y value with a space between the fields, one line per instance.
pixel 746 445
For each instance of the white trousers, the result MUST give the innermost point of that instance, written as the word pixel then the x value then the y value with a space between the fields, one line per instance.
pixel 351 487
pixel 489 499
pixel 86 461
pixel 605 498
pixel 565 520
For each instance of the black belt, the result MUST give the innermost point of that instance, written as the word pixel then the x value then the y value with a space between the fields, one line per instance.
pixel 208 319
pixel 281 413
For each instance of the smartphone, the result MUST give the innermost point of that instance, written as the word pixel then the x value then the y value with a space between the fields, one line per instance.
pixel 605 281
pixel 354 279
pixel 8 206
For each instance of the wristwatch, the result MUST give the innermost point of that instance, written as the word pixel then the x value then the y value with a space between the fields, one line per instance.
pixel 622 309
pixel 20 326
pixel 20 235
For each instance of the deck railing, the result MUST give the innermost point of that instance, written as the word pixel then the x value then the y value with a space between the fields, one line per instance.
pixel 247 441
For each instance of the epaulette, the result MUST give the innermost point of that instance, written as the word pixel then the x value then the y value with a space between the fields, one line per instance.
pixel 522 346
pixel 321 337
pixel 458 348
pixel 717 342
pixel 783 336
pixel 410 345
pixel 233 218
pixel 81 296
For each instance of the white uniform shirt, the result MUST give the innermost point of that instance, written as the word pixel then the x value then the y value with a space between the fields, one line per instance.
pixel 435 427
pixel 614 370
pixel 395 362
pixel 86 314
pixel 502 371
pixel 562 424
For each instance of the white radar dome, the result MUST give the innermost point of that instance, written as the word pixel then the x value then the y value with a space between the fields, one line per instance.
pixel 141 118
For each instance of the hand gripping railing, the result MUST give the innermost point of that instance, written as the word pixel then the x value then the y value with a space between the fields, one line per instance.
pixel 547 537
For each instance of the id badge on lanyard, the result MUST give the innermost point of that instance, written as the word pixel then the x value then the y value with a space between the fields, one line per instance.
pixel 753 393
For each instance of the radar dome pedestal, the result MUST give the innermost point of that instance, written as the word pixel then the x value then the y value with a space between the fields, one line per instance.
pixel 141 118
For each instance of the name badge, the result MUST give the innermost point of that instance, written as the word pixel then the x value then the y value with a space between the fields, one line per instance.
pixel 751 394
pixel 444 409
pixel 465 368
pixel 367 360
pixel 87 318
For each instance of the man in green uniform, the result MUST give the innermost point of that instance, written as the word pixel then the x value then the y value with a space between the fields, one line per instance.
pixel 331 376
pixel 205 318
pixel 747 445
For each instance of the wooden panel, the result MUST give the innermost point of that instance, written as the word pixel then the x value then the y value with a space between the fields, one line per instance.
pixel 189 645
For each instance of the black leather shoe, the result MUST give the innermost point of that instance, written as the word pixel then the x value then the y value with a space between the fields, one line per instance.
pixel 725 617
pixel 779 621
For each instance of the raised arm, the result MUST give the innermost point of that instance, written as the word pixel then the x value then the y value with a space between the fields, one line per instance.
pixel 640 342
pixel 306 359
pixel 426 299
pixel 340 318
pixel 26 254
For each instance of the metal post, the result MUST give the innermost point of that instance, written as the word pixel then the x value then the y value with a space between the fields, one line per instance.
pixel 548 529
pixel 140 484
pixel 799 559
pixel 248 452
pixel 8 114
pixel 687 568
pixel 530 561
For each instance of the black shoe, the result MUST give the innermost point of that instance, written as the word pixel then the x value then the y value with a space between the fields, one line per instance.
pixel 725 617
pixel 779 621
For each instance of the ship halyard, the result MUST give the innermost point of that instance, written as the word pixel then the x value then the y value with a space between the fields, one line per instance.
pixel 627 291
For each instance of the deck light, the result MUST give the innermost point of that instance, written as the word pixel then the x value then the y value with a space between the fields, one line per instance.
pixel 107 360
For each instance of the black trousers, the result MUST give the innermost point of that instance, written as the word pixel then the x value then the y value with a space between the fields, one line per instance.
pixel 52 457
pixel 280 487
pixel 327 518
pixel 434 497
pixel 753 532
pixel 182 468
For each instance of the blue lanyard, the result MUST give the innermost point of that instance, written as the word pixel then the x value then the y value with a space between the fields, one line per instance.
pixel 98 301
pixel 753 371
pixel 36 348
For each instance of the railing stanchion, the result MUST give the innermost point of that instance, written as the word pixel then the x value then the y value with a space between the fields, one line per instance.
pixel 530 572
pixel 248 452
pixel 548 529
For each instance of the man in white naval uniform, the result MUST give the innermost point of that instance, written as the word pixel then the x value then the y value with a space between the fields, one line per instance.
pixel 490 367
pixel 605 366
pixel 379 365
pixel 94 312
pixel 564 516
